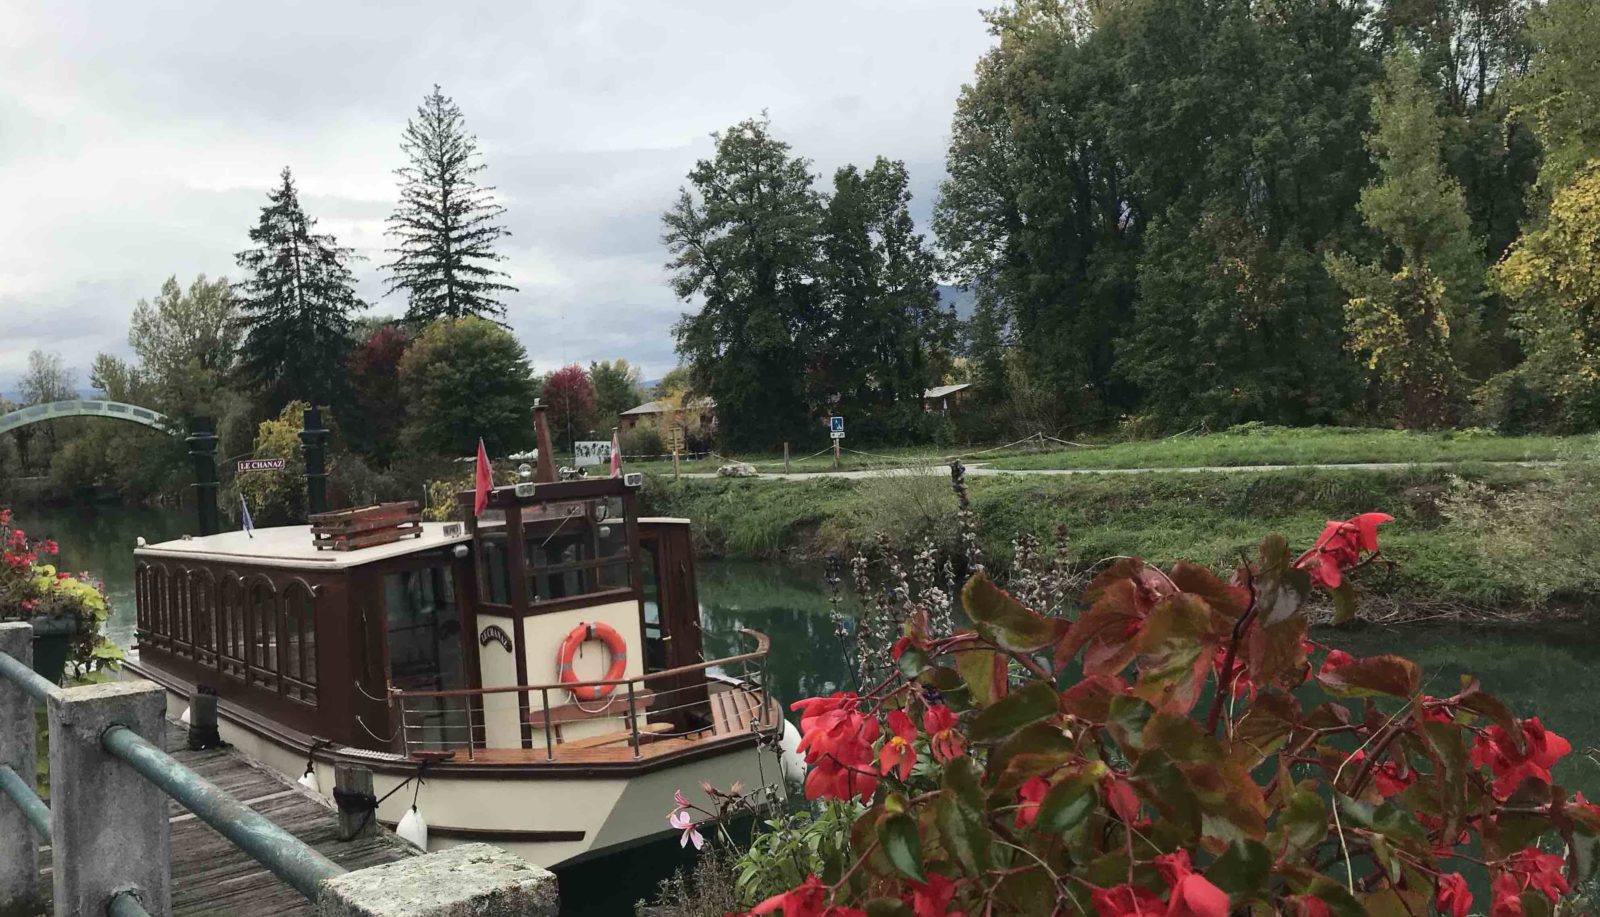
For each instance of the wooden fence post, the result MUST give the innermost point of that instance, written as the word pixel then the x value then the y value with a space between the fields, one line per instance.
pixel 785 458
pixel 19 846
pixel 355 818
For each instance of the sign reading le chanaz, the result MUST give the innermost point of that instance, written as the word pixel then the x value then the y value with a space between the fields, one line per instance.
pixel 247 465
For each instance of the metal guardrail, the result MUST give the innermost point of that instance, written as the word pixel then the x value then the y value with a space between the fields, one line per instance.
pixel 456 720
pixel 283 854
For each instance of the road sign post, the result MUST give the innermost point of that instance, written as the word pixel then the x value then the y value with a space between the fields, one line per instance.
pixel 836 433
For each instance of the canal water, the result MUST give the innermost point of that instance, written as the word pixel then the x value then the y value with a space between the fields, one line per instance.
pixel 1551 669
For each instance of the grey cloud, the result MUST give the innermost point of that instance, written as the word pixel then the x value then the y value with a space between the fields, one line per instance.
pixel 137 141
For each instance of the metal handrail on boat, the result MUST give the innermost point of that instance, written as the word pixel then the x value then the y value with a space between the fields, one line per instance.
pixel 454 720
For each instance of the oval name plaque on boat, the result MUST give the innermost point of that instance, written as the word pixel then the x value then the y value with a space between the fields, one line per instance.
pixel 494 633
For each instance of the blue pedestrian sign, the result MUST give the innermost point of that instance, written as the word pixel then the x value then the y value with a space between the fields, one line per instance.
pixel 836 425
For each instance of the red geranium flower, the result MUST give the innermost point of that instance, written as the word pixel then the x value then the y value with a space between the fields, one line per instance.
pixel 1030 795
pixel 1339 548
pixel 1126 901
pixel 804 901
pixel 836 739
pixel 1452 898
pixel 940 725
pixel 1535 869
pixel 900 751
pixel 932 899
pixel 1505 897
pixel 1497 749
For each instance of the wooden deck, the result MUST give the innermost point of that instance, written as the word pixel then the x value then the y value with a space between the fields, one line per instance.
pixel 731 711
pixel 210 876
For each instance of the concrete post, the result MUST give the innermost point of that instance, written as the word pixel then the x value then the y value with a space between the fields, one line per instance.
pixel 19 847
pixel 108 825
pixel 470 880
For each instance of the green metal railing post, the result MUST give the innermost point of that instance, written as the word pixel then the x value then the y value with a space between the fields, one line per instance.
pixel 285 855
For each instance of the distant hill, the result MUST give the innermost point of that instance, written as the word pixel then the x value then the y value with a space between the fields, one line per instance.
pixel 960 298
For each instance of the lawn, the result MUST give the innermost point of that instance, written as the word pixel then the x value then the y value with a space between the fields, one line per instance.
pixel 850 459
pixel 1306 446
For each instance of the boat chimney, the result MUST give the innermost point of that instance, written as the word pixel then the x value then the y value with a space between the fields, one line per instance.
pixel 314 443
pixel 203 453
pixel 545 471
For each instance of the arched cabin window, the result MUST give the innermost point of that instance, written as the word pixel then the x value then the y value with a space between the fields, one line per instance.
pixel 262 619
pixel 202 615
pixel 299 662
pixel 230 626
pixel 160 606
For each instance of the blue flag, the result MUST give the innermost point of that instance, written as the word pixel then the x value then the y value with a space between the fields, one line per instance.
pixel 249 526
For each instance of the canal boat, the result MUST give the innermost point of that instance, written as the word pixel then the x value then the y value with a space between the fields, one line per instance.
pixel 531 677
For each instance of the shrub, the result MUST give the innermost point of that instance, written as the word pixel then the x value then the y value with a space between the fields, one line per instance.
pixel 643 441
pixel 1180 747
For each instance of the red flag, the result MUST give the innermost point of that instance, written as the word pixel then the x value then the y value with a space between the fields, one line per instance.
pixel 616 454
pixel 485 482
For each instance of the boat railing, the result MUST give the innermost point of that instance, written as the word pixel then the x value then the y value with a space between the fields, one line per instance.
pixel 643 716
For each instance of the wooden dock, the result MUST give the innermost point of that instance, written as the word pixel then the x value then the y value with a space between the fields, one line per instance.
pixel 210 876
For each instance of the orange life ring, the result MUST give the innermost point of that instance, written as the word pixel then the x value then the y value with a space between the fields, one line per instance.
pixel 581 634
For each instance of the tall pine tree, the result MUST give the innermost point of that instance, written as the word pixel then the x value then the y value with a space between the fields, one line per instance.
pixel 446 223
pixel 296 302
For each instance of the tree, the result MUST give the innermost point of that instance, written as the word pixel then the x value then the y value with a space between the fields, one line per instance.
pixel 744 244
pixel 446 223
pixel 883 319
pixel 379 407
pixel 1552 276
pixel 466 378
pixel 186 343
pixel 46 380
pixel 297 302
pixel 616 389
pixel 570 398
pixel 1561 92
pixel 1405 307
pixel 678 380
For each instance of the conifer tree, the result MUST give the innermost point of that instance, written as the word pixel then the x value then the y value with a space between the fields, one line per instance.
pixel 446 224
pixel 296 303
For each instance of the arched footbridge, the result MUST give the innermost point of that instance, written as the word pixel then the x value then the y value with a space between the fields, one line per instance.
pixel 116 410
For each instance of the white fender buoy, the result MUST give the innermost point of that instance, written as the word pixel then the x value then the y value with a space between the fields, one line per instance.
pixel 413 828
pixel 185 718
pixel 309 781
pixel 789 758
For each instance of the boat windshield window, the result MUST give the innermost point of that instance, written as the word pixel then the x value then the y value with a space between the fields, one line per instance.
pixel 424 632
pixel 575 548
pixel 494 576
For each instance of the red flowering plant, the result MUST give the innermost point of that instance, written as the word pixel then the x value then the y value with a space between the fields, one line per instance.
pixel 1181 748
pixel 31 586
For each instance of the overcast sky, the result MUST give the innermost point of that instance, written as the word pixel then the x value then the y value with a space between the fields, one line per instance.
pixel 138 140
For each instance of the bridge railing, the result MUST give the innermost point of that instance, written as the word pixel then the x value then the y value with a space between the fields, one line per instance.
pixel 110 837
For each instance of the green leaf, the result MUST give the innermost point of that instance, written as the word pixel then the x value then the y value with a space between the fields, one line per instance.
pixel 961 777
pixel 984 672
pixel 1028 705
pixel 912 662
pixel 887 907
pixel 1372 676
pixel 1302 824
pixel 962 832
pixel 1280 589
pixel 1033 749
pixel 1344 602
pixel 1392 822
pixel 1242 869
pixel 1175 647
pixel 1068 803
pixel 897 835
pixel 1017 626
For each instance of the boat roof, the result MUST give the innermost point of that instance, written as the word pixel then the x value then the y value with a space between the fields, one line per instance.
pixel 290 546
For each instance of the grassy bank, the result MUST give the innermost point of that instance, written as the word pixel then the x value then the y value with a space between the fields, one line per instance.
pixel 1303 446
pixel 1443 566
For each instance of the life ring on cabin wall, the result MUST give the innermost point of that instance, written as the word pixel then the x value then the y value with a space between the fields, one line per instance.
pixel 580 635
